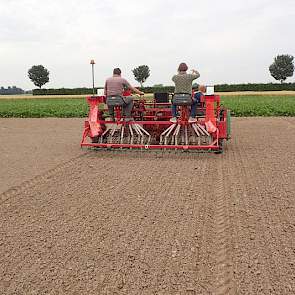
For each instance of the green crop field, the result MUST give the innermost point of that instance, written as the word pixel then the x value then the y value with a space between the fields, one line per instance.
pixel 240 105
pixel 248 106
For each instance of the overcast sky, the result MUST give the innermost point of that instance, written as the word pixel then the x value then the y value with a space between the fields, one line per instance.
pixel 227 41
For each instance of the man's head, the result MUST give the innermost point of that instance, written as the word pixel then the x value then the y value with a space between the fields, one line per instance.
pixel 117 72
pixel 182 67
pixel 195 87
pixel 202 88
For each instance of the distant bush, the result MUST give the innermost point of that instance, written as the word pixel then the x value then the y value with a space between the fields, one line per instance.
pixel 11 90
pixel 230 87
pixel 254 87
pixel 65 91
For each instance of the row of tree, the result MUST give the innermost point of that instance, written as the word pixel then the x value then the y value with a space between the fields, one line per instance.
pixel 280 69
pixel 39 75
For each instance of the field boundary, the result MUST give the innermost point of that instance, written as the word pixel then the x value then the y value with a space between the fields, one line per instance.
pixel 149 95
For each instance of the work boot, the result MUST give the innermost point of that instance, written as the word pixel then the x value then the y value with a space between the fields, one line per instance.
pixel 192 120
pixel 173 120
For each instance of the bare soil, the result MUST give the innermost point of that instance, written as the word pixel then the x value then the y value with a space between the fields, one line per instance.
pixel 147 223
pixel 30 147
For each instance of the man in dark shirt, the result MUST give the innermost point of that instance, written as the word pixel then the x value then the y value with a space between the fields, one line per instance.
pixel 114 86
pixel 197 99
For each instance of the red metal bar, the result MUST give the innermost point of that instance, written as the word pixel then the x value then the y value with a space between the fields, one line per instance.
pixel 158 103
pixel 152 146
pixel 137 122
pixel 144 122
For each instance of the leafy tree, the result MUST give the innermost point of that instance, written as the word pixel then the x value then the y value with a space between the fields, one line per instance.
pixel 141 73
pixel 38 75
pixel 282 67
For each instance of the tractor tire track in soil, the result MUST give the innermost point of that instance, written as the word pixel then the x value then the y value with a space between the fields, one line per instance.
pixel 223 273
pixel 157 223
pixel 38 179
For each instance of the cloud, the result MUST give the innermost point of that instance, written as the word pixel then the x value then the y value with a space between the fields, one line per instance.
pixel 227 41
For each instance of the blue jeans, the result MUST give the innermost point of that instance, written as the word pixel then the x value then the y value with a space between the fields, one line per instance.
pixel 196 99
pixel 174 111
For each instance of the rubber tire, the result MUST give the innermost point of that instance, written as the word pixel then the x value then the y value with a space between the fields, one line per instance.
pixel 220 150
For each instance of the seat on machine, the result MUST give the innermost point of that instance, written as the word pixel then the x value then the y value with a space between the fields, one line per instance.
pixel 161 97
pixel 182 99
pixel 113 101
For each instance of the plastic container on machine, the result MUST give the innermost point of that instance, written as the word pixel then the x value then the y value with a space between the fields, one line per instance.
pixel 100 92
pixel 209 90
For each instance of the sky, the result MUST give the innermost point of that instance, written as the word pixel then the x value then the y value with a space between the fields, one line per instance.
pixel 228 41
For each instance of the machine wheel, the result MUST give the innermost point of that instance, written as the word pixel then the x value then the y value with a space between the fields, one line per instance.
pixel 220 150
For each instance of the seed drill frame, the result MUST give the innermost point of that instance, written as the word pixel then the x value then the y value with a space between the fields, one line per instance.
pixel 152 129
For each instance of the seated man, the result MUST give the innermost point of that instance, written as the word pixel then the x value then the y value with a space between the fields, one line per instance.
pixel 183 85
pixel 114 86
pixel 197 99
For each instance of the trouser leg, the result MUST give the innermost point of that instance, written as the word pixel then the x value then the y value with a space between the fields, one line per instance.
pixel 194 108
pixel 111 111
pixel 196 100
pixel 174 110
pixel 127 108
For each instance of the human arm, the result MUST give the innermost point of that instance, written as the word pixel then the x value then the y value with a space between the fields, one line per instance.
pixel 105 88
pixel 137 91
pixel 128 85
pixel 195 74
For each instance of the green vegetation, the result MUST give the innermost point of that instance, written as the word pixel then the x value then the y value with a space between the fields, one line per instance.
pixel 38 75
pixel 282 67
pixel 49 107
pixel 141 73
pixel 248 106
pixel 66 107
pixel 66 91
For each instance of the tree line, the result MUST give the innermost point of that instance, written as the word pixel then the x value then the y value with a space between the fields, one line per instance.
pixel 281 69
pixel 11 90
pixel 39 75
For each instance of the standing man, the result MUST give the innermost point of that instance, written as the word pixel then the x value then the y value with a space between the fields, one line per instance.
pixel 114 86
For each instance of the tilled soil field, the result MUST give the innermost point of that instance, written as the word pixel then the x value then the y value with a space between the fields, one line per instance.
pixel 152 223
